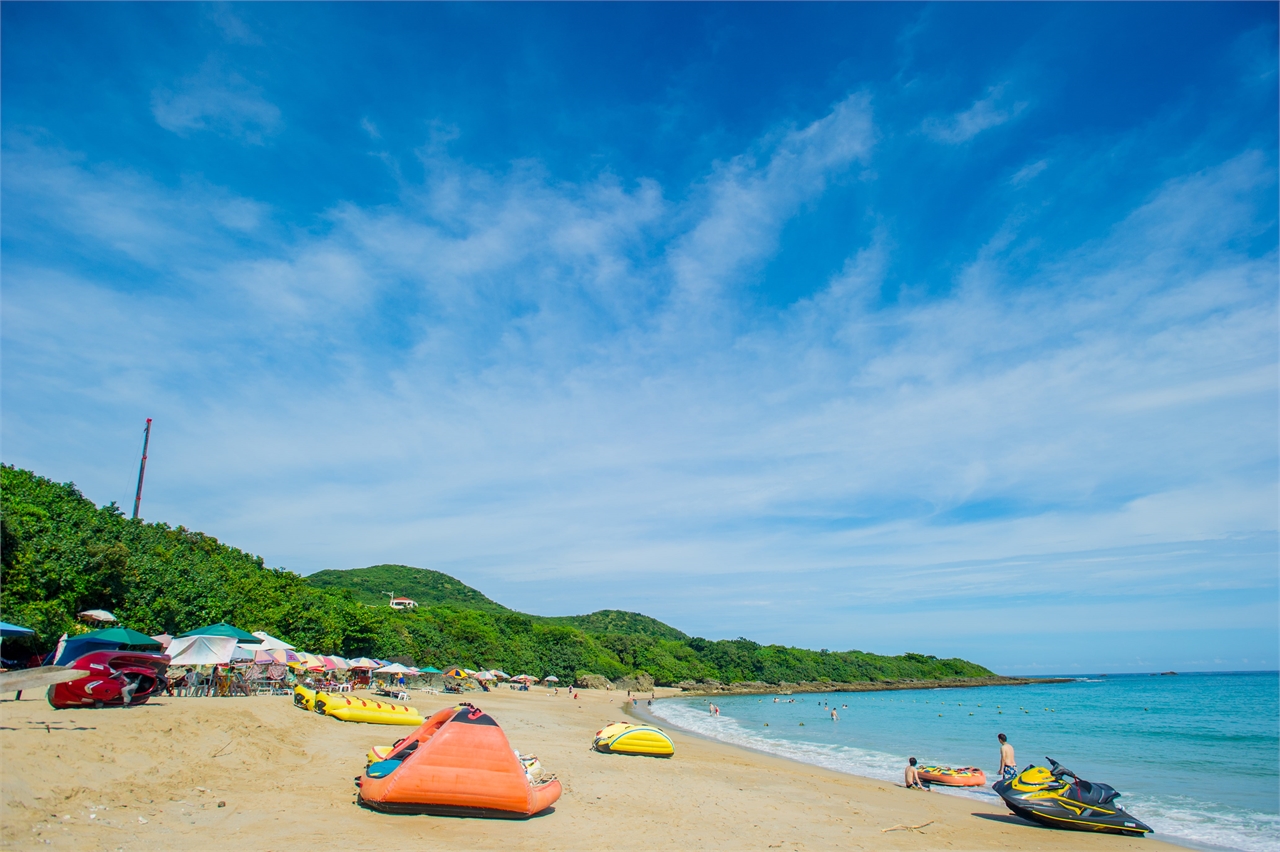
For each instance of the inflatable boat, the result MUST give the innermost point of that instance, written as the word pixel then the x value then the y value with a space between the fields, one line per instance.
pixel 965 776
pixel 625 738
pixel 115 678
pixel 415 738
pixel 304 698
pixel 351 709
pixel 465 767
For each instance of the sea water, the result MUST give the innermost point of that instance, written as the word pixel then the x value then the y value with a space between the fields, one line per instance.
pixel 1195 756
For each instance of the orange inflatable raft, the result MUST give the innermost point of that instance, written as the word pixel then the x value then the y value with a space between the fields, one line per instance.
pixel 415 739
pixel 965 776
pixel 464 767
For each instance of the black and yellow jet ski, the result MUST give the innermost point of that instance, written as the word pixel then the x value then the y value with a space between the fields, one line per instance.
pixel 1047 797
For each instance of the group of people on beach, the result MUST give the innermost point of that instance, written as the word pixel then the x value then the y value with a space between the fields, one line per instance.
pixel 1008 766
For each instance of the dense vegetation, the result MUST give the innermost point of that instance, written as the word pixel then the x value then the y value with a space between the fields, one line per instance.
pixel 61 555
pixel 375 584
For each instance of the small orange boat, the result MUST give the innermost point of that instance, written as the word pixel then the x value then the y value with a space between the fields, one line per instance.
pixel 464 766
pixel 965 776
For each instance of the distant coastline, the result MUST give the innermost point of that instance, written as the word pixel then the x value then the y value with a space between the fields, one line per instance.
pixel 760 688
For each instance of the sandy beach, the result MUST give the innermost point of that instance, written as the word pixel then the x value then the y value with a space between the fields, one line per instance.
pixel 258 774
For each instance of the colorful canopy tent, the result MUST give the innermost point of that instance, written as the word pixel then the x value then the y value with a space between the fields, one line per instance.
pixel 271 643
pixel 13 630
pixel 96 615
pixel 201 650
pixel 221 629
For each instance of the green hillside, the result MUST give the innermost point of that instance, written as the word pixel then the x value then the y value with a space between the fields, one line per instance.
pixel 60 554
pixel 616 621
pixel 373 585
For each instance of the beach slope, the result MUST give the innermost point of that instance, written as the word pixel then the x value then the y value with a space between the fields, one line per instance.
pixel 258 774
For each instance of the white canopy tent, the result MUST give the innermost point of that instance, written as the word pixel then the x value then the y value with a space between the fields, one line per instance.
pixel 202 650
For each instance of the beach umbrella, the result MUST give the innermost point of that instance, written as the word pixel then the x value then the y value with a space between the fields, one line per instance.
pixel 551 679
pixel 97 615
pixel 164 639
pixel 394 668
pixel 201 650
pixel 241 654
pixel 456 672
pixel 500 675
pixel 283 655
pixel 271 643
pixel 430 670
pixel 221 629
pixel 362 663
pixel 485 676
pixel 119 635
pixel 469 672
pixel 13 630
pixel 336 663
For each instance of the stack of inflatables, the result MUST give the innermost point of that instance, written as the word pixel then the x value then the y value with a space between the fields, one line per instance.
pixel 457 763
pixel 351 709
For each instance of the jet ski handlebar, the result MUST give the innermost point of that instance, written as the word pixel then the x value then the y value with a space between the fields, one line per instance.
pixel 1059 770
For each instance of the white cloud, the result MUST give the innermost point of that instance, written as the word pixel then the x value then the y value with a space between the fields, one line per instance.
pixel 989 111
pixel 506 376
pixel 217 100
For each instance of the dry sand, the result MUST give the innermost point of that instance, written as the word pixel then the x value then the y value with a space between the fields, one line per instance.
pixel 257 774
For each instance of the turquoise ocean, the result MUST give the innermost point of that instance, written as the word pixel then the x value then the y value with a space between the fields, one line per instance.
pixel 1196 756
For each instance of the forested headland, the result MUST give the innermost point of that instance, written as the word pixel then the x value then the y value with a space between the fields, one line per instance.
pixel 62 554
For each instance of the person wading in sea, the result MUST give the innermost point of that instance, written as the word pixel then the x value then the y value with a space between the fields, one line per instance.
pixel 1008 765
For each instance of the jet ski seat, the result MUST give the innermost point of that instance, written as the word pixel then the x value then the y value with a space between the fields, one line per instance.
pixel 1092 793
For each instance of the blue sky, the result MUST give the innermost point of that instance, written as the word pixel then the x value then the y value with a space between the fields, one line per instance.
pixel 895 327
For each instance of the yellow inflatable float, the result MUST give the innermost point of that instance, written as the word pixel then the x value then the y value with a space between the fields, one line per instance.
pixel 352 709
pixel 304 698
pixel 625 738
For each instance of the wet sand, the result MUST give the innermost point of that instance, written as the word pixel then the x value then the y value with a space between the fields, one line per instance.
pixel 258 774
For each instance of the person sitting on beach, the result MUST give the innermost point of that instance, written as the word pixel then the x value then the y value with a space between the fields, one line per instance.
pixel 1008 765
pixel 912 778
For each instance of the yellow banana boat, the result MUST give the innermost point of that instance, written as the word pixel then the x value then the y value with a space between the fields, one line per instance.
pixel 304 698
pixel 625 738
pixel 351 709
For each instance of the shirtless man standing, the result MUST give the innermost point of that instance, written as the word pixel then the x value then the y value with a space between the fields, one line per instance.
pixel 1008 765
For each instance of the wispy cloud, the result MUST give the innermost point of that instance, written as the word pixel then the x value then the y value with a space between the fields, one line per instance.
pixel 507 375
pixel 991 110
pixel 217 100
